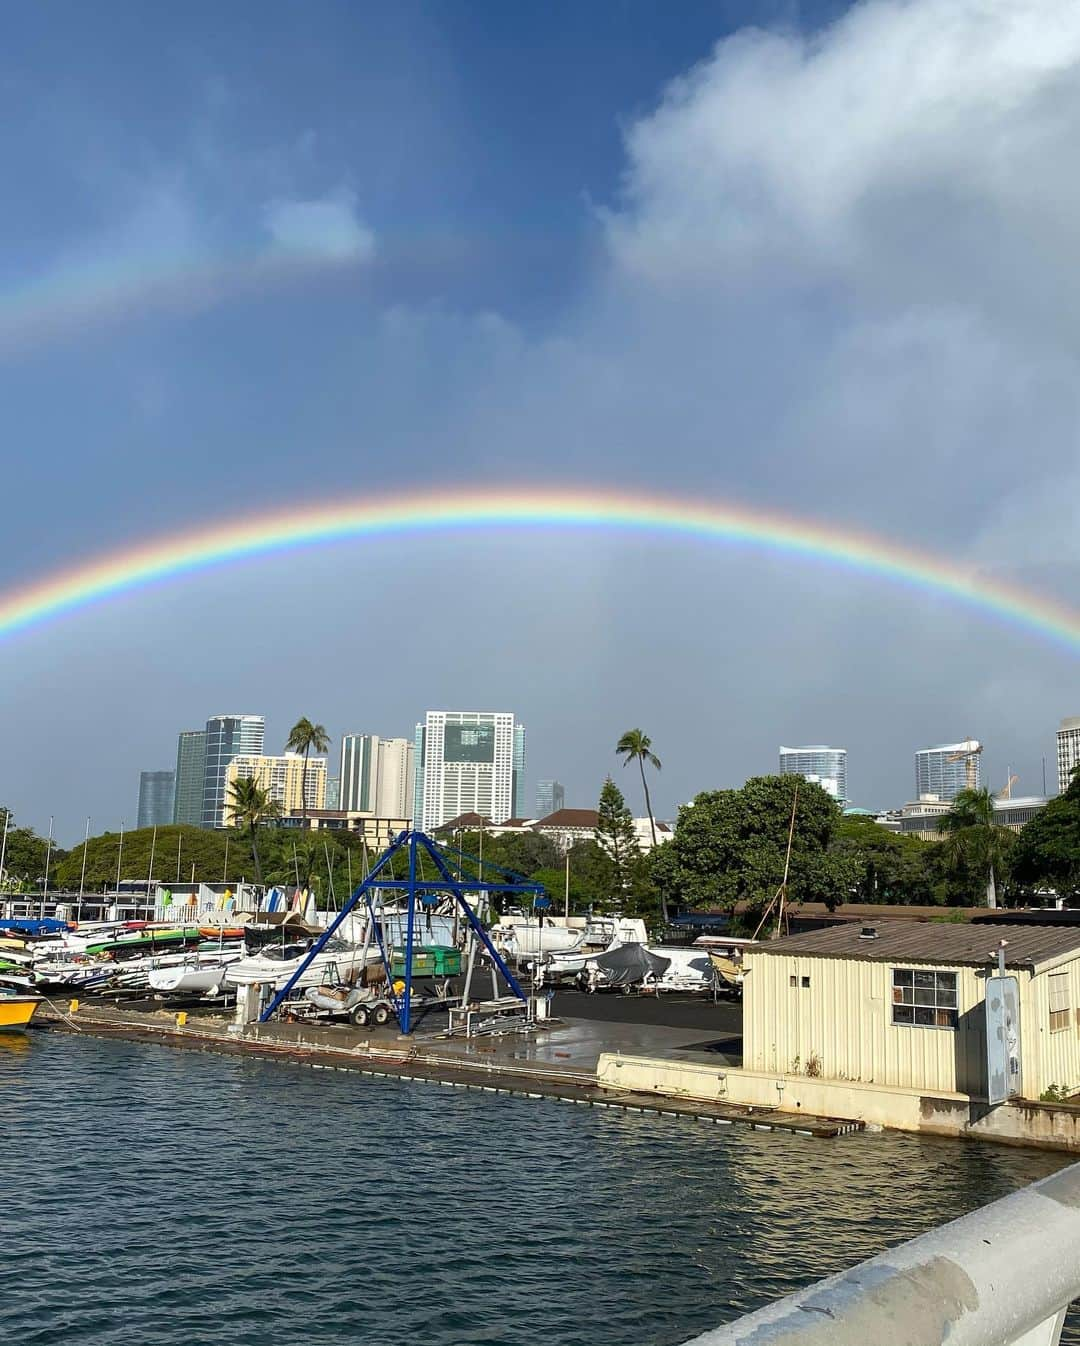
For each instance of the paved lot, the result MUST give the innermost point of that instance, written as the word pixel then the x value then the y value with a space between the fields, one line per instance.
pixel 724 1019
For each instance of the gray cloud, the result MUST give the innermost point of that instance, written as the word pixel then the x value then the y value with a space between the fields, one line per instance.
pixel 840 281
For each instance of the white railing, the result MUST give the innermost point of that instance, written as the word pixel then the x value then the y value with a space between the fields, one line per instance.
pixel 1002 1276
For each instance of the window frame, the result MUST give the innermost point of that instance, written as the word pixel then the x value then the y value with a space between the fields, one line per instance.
pixel 1060 1018
pixel 924 994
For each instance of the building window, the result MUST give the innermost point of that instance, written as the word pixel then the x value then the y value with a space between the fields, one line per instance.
pixel 806 983
pixel 924 999
pixel 1059 1001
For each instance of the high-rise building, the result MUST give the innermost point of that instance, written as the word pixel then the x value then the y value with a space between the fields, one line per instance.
pixel 517 804
pixel 395 789
pixel 468 762
pixel 333 792
pixel 282 778
pixel 1068 750
pixel 156 798
pixel 190 772
pixel 419 766
pixel 550 797
pixel 227 736
pixel 823 765
pixel 376 775
pixel 359 772
pixel 942 771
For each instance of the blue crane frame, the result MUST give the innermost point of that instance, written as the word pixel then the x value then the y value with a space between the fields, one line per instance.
pixel 414 888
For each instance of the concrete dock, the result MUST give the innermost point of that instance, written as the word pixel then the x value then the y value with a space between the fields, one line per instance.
pixel 557 1060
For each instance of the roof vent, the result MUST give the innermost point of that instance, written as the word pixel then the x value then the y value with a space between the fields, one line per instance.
pixel 868 932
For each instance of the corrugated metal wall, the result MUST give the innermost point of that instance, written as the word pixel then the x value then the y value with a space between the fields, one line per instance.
pixel 1051 1058
pixel 840 1025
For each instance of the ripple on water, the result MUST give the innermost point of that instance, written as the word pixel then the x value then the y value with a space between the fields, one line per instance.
pixel 175 1199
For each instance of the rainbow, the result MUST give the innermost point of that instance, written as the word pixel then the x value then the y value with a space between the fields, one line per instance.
pixel 99 578
pixel 70 300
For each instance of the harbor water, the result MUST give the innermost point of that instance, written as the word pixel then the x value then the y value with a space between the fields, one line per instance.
pixel 176 1198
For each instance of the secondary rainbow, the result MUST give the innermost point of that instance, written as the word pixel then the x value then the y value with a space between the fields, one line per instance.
pixel 98 578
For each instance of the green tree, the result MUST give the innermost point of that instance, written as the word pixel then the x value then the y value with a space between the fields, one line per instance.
pixel 304 736
pixel 617 838
pixel 730 846
pixel 214 855
pixel 636 746
pixel 1047 853
pixel 889 867
pixel 24 856
pixel 973 846
pixel 249 805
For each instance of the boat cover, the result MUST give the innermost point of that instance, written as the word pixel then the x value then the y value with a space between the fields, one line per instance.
pixel 46 925
pixel 630 963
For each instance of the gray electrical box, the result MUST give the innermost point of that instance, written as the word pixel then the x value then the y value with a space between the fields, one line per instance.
pixel 1003 1073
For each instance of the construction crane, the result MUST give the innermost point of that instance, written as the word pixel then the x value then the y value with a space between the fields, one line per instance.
pixel 969 755
pixel 1006 791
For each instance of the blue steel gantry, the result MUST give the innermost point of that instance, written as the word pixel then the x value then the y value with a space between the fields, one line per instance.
pixel 419 889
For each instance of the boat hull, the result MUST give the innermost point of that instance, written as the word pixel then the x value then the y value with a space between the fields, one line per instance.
pixel 16 1011
pixel 188 980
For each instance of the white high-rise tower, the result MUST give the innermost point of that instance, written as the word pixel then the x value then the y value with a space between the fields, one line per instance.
pixel 468 761
pixel 1068 750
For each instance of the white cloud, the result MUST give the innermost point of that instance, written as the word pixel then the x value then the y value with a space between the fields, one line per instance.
pixel 906 129
pixel 325 227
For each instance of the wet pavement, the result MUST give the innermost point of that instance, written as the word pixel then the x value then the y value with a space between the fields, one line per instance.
pixel 722 1019
pixel 577 1044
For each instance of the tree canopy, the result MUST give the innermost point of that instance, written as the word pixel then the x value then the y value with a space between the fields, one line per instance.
pixel 24 856
pixel 1047 853
pixel 730 846
pixel 617 840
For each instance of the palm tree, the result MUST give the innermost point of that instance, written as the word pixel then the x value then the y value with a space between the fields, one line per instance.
pixel 635 746
pixel 249 805
pixel 971 839
pixel 304 736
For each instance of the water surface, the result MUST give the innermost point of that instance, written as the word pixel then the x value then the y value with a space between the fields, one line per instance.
pixel 174 1198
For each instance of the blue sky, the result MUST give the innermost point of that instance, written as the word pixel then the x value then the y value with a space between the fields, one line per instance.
pixel 809 257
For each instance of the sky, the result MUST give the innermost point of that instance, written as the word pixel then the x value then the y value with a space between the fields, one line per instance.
pixel 814 258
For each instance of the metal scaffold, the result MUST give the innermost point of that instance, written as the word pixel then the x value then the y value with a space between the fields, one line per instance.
pixel 418 893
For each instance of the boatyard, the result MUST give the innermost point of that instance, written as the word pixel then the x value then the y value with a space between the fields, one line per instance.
pixel 417 977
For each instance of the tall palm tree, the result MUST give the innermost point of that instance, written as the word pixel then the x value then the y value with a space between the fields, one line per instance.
pixel 249 805
pixel 636 746
pixel 973 841
pixel 304 736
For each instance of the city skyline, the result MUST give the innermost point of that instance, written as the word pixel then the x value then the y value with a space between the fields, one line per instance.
pixel 1070 727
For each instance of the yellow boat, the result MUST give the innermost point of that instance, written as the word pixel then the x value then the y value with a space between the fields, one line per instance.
pixel 16 1011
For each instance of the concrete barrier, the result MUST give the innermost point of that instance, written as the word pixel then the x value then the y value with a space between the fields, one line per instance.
pixel 1050 1125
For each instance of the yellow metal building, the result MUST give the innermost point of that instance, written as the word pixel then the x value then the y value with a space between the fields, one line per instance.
pixel 901 1004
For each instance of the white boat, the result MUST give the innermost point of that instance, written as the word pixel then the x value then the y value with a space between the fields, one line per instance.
pixel 601 936
pixel 84 976
pixel 528 939
pixel 688 970
pixel 203 977
pixel 275 965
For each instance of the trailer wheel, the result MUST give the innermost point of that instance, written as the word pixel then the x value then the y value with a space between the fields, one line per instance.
pixel 627 989
pixel 359 1017
pixel 382 1015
